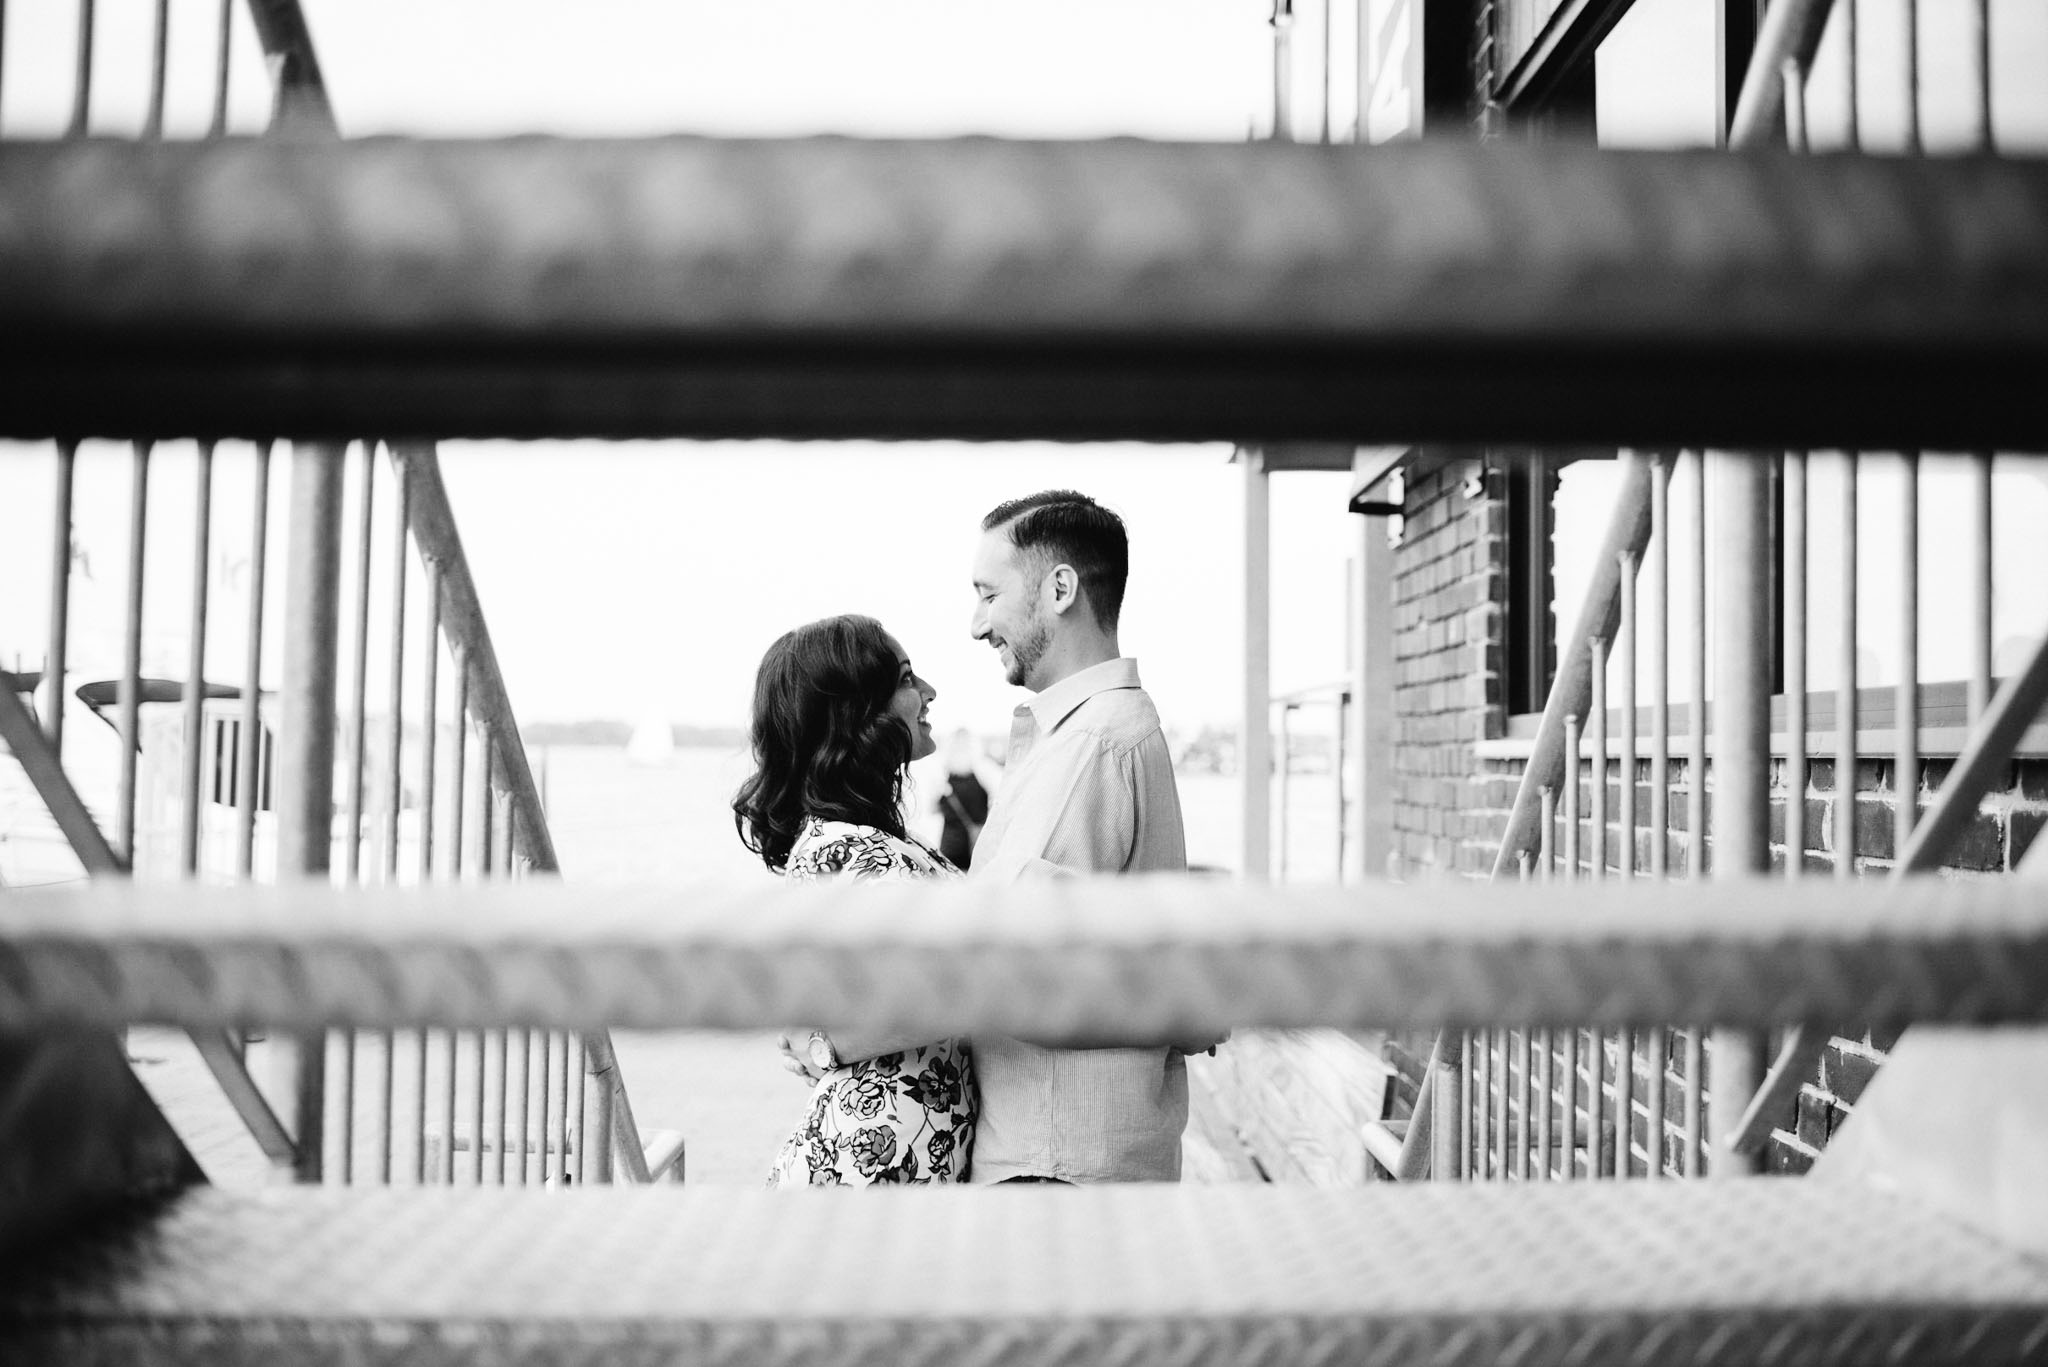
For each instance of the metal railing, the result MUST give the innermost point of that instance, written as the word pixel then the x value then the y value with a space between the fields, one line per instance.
pixel 428 781
pixel 1548 1104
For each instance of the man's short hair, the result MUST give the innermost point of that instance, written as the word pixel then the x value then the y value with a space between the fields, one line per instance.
pixel 1060 525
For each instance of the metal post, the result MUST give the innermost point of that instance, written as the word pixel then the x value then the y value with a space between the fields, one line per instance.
pixel 1283 70
pixel 160 51
pixel 1255 744
pixel 305 746
pixel 1596 743
pixel 1795 663
pixel 1906 760
pixel 352 849
pixel 1660 670
pixel 1283 760
pixel 1568 1103
pixel 81 91
pixel 1696 701
pixel 223 51
pixel 129 699
pixel 194 698
pixel 1625 864
pixel 1845 684
pixel 1742 743
pixel 249 755
pixel 54 661
pixel 1980 575
pixel 1658 1048
pixel 1571 799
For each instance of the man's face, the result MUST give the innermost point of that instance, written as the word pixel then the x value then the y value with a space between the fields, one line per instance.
pixel 1009 612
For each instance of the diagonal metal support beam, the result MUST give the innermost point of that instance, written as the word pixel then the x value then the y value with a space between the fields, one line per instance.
pixel 2015 707
pixel 977 288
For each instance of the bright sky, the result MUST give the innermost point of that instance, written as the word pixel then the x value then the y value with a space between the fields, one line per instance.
pixel 627 581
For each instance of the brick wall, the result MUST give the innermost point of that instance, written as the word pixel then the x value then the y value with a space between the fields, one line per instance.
pixel 1450 597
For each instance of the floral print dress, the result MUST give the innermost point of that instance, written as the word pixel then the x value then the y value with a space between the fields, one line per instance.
pixel 906 1117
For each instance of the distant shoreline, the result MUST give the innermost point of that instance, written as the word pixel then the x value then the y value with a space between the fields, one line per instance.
pixel 617 733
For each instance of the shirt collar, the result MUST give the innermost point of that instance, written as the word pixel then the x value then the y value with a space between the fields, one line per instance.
pixel 1057 702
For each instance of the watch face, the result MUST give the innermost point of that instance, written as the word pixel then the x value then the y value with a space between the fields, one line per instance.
pixel 822 1056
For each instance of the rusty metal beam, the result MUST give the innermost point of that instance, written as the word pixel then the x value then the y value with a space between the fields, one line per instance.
pixel 1124 960
pixel 989 289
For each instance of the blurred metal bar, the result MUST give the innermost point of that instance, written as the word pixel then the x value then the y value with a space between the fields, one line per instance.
pixel 218 1050
pixel 522 1070
pixel 1255 746
pixel 1845 679
pixel 1795 663
pixel 458 796
pixel 1482 1098
pixel 1135 290
pixel 430 714
pixel 304 794
pixel 1525 1099
pixel 194 697
pixel 477 1108
pixel 1981 602
pixel 386 1131
pixel 45 773
pixel 578 1120
pixel 1625 765
pixel 1695 630
pixel 1853 74
pixel 1984 135
pixel 1658 1080
pixel 394 740
pixel 1596 745
pixel 448 1107
pixel 160 52
pixel 301 103
pixel 1742 745
pixel 1906 757
pixel 1503 1096
pixel 1282 22
pixel 1570 1104
pixel 56 659
pixel 1546 854
pixel 419 1107
pixel 1695 1103
pixel 359 717
pixel 223 53
pixel 1546 1092
pixel 1599 1121
pixel 1571 799
pixel 1794 81
pixel 1283 762
pixel 81 89
pixel 1660 667
pixel 249 754
pixel 1451 1088
pixel 569 1084
pixel 1912 37
pixel 1624 1101
pixel 129 695
pixel 500 1039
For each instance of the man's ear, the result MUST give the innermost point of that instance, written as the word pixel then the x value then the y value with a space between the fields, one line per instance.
pixel 1062 588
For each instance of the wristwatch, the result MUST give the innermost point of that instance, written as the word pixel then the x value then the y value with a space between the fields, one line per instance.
pixel 823 1057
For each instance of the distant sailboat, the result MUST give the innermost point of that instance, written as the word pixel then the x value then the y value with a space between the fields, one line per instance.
pixel 652 744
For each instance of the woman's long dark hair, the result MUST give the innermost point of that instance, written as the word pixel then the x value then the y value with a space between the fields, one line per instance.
pixel 825 742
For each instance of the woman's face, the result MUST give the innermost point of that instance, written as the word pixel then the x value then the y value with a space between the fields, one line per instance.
pixel 913 695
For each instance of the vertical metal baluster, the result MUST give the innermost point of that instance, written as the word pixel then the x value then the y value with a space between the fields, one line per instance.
pixel 194 697
pixel 1546 1087
pixel 1596 1104
pixel 1658 1049
pixel 1660 672
pixel 1913 77
pixel 1980 575
pixel 223 51
pixel 352 849
pixel 249 755
pixel 1596 745
pixel 579 1119
pixel 522 1070
pixel 1906 763
pixel 569 1084
pixel 1695 1104
pixel 1624 1100
pixel 1845 687
pixel 1284 762
pixel 1568 1103
pixel 1794 80
pixel 1626 815
pixel 1853 48
pixel 1525 1050
pixel 1482 1103
pixel 1546 853
pixel 394 777
pixel 81 91
pixel 458 807
pixel 3 49
pixel 54 664
pixel 1468 1095
pixel 1696 700
pixel 1504 1089
pixel 1795 663
pixel 430 729
pixel 160 52
pixel 543 1101
pixel 1984 138
pixel 1571 799
pixel 130 695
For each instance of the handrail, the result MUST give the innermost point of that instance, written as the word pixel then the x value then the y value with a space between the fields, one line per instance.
pixel 1790 32
pixel 1095 960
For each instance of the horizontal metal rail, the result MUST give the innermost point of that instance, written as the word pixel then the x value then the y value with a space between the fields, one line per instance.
pixel 1103 960
pixel 982 288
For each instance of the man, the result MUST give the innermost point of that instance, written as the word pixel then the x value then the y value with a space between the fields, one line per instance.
pixel 1089 788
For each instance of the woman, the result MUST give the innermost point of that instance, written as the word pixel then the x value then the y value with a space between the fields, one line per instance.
pixel 838 715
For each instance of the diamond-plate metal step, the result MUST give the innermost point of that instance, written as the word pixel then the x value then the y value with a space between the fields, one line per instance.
pixel 1756 1272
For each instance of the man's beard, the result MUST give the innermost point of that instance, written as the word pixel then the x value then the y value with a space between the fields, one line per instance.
pixel 1027 650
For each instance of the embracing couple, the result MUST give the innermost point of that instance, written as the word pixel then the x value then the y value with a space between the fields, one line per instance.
pixel 1088 788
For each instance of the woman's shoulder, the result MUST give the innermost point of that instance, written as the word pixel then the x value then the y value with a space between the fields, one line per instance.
pixel 830 849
